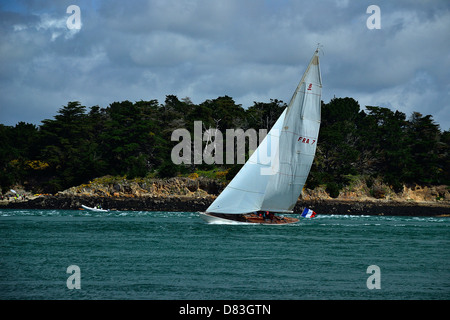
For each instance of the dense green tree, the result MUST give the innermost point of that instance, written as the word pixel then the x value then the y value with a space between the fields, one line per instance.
pixel 226 112
pixel 337 152
pixel 264 115
pixel 128 139
pixel 8 174
pixel 383 144
pixel 423 138
pixel 134 139
pixel 444 158
pixel 66 146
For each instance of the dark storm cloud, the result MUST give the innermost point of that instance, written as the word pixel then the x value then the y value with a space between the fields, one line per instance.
pixel 251 50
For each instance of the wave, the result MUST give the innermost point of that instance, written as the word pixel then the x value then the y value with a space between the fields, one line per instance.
pixel 333 219
pixel 86 213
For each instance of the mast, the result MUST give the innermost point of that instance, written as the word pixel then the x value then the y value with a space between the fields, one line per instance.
pixel 298 141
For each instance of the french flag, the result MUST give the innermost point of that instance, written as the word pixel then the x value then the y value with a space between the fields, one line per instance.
pixel 308 213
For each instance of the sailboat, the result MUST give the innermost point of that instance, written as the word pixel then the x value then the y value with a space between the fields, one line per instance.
pixel 272 179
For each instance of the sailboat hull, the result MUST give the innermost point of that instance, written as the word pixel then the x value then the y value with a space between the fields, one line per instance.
pixel 93 209
pixel 213 218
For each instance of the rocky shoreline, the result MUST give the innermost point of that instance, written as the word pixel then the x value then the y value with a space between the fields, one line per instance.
pixel 192 194
pixel 194 204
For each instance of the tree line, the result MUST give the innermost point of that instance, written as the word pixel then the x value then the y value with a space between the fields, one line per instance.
pixel 134 140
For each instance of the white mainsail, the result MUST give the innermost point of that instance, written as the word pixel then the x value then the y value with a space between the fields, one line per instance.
pixel 273 177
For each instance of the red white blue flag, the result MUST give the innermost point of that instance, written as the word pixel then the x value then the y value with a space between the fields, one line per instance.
pixel 308 213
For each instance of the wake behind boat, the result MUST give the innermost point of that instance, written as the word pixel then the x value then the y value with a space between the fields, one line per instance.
pixel 273 177
pixel 94 209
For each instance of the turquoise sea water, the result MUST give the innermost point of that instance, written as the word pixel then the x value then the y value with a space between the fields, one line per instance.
pixel 176 256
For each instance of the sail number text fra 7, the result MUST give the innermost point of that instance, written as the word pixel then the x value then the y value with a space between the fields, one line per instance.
pixel 306 140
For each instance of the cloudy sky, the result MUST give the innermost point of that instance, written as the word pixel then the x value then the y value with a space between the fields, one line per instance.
pixel 251 50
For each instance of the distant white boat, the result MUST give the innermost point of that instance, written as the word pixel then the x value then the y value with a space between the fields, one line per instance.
pixel 94 209
pixel 261 189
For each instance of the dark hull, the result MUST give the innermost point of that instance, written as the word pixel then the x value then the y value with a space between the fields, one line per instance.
pixel 247 218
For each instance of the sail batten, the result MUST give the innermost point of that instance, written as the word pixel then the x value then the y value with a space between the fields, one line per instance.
pixel 273 178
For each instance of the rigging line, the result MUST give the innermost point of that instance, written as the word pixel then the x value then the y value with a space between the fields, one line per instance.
pixel 244 190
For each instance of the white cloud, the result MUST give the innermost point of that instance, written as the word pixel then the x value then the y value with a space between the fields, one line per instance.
pixel 56 26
